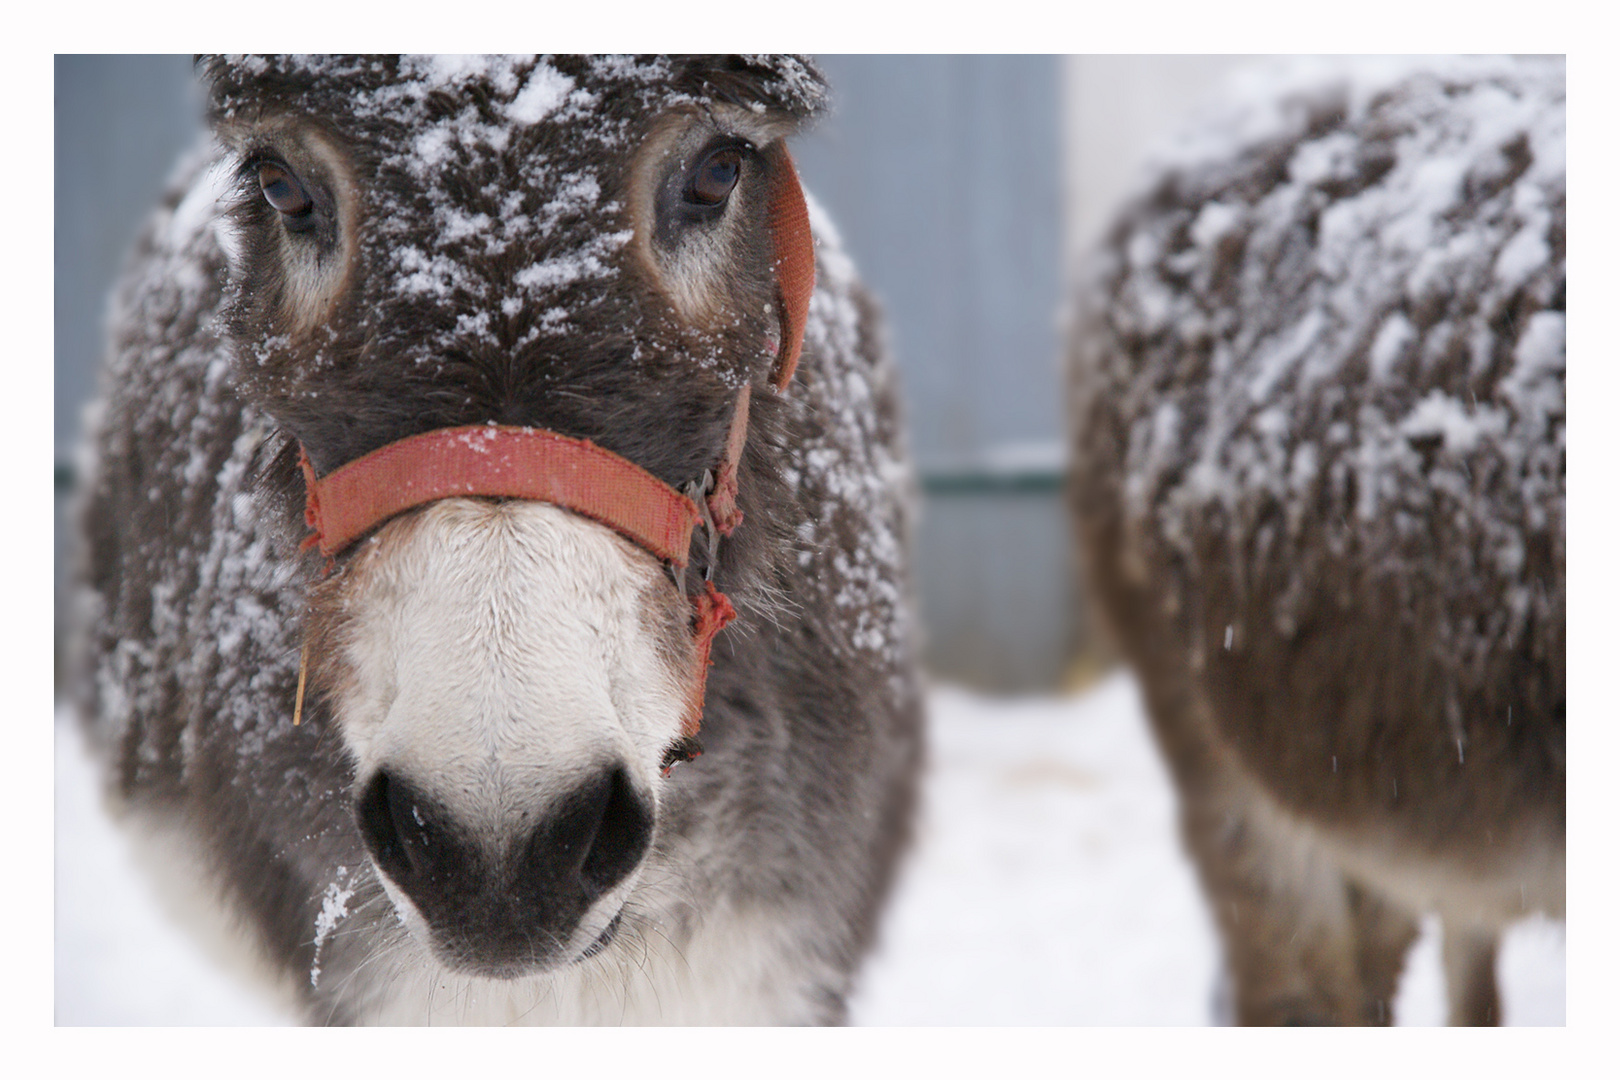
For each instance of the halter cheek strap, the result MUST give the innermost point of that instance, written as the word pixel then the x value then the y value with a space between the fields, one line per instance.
pixel 795 265
pixel 576 474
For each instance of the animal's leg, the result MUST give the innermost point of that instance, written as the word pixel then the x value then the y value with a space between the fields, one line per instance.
pixel 1384 936
pixel 1305 944
pixel 1281 905
pixel 1470 962
pixel 1284 915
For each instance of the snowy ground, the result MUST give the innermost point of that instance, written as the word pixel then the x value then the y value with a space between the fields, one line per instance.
pixel 1048 888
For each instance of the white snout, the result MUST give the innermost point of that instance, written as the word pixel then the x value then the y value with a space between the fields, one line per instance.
pixel 499 655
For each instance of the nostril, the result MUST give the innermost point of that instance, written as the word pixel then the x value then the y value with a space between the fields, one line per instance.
pixel 622 836
pixel 392 822
pixel 593 840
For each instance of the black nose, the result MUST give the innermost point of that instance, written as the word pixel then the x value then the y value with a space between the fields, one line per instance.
pixel 598 836
pixel 505 905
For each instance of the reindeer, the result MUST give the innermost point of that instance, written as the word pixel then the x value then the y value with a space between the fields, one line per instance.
pixel 453 408
pixel 1317 390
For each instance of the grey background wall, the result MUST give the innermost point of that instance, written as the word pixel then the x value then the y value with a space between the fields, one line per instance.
pixel 961 185
pixel 121 122
pixel 944 174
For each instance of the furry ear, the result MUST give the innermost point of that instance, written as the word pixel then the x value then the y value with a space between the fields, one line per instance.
pixel 790 85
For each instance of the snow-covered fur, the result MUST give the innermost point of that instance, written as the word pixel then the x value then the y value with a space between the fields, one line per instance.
pixel 471 823
pixel 1318 415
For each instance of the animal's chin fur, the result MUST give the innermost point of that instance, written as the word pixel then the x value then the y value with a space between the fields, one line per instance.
pixel 643 978
pixel 663 965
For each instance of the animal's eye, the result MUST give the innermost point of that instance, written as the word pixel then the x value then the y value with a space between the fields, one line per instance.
pixel 715 177
pixel 283 191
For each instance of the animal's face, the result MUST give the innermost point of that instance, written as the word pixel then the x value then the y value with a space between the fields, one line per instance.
pixel 577 245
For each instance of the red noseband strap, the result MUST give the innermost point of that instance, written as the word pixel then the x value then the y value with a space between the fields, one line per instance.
pixel 525 463
pixel 511 462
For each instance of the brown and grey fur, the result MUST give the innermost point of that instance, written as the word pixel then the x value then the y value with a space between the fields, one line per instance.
pixel 1318 414
pixel 490 246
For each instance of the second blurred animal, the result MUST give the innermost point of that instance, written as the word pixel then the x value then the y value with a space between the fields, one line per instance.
pixel 1318 397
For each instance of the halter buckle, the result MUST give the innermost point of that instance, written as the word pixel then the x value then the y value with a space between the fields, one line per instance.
pixel 699 491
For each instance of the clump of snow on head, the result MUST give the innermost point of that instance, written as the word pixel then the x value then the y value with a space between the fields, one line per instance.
pixel 541 96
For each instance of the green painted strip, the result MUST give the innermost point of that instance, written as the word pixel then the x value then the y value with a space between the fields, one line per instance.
pixel 990 483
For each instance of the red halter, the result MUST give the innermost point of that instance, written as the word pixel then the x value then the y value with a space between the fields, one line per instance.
pixel 529 463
